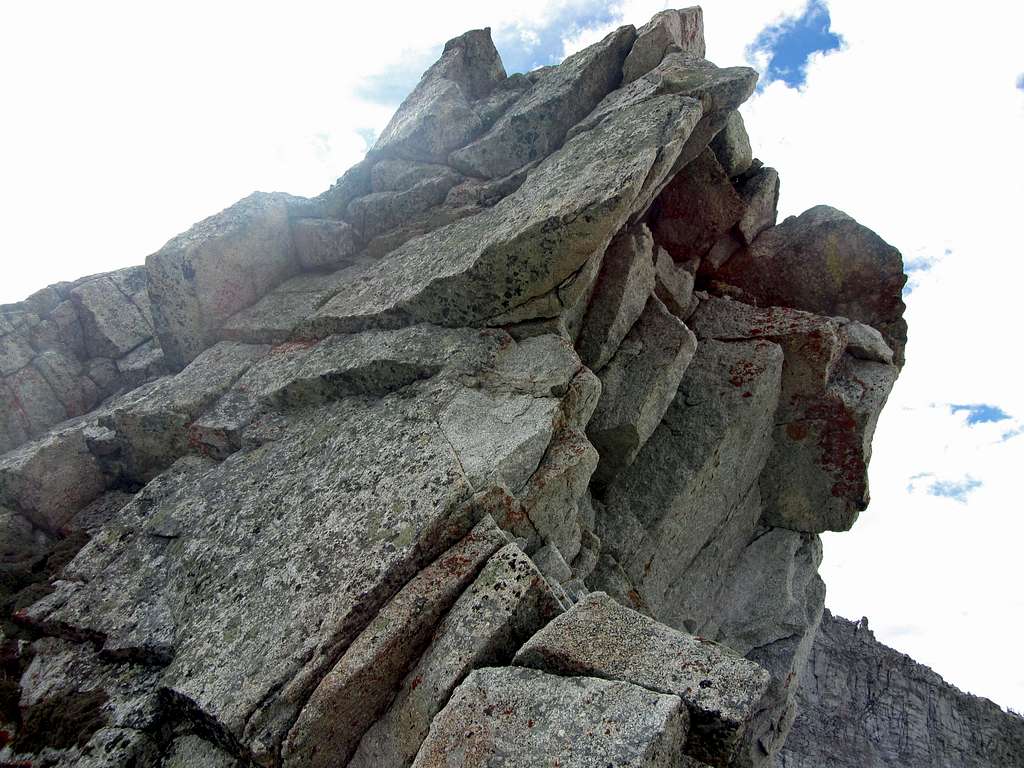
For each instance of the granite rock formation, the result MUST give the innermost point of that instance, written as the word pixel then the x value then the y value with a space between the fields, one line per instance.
pixel 514 444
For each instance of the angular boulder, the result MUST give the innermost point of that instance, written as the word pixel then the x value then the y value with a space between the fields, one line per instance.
pixel 620 294
pixel 637 386
pixel 536 125
pixel 220 266
pixel 520 717
pixel 438 117
pixel 508 602
pixel 825 262
pixel 600 638
pixel 672 31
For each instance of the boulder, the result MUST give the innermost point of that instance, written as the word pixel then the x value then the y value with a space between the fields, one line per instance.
pixel 673 284
pixel 112 324
pixel 770 613
pixel 35 406
pixel 760 193
pixel 323 243
pixel 600 638
pixel 536 125
pixel 520 717
pixel 50 479
pixel 223 264
pixel 508 602
pixel 437 116
pixel 152 423
pixel 696 208
pixel 825 262
pixel 691 485
pixel 732 146
pixel 637 386
pixel 197 559
pixel 625 281
pixel 359 688
pixel 672 31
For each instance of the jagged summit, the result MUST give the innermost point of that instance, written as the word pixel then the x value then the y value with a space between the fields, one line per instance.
pixel 513 445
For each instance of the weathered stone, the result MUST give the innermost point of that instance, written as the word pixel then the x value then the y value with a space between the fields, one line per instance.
pixel 770 613
pixel 732 146
pixel 223 264
pixel 355 182
pixel 600 638
pixel 812 345
pixel 14 424
pixel 379 212
pixel 697 207
pixel 20 541
pixel 865 343
pixel 637 386
pixel 75 392
pixel 193 752
pixel 816 479
pixel 673 285
pixel 188 555
pixel 536 125
pixel 152 422
pixel 825 262
pixel 112 325
pixel 360 686
pixel 862 704
pixel 50 479
pixel 61 331
pixel 690 484
pixel 527 244
pixel 437 116
pixel 760 193
pixel 508 602
pixel 550 501
pixel 15 353
pixel 620 294
pixel 141 365
pixel 672 31
pixel 520 717
pixel 399 175
pixel 323 243
pixel 97 513
pixel 274 318
pixel 34 400
pixel 716 91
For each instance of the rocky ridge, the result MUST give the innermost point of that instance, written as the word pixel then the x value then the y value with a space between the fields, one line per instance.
pixel 515 442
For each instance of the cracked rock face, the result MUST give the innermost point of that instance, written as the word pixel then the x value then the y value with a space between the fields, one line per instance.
pixel 511 447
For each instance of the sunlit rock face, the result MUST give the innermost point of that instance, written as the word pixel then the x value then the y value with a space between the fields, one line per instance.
pixel 512 446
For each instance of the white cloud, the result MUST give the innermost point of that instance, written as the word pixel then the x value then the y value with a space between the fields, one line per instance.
pixel 126 122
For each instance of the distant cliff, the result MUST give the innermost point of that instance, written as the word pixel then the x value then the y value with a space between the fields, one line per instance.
pixel 863 705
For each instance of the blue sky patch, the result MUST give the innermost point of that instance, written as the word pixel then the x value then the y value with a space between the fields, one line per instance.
pixel 1020 81
pixel 954 489
pixel 790 43
pixel 981 413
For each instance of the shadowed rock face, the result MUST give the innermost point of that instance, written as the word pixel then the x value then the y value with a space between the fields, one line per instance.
pixel 512 446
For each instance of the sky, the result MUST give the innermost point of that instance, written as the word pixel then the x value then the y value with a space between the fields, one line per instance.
pixel 125 123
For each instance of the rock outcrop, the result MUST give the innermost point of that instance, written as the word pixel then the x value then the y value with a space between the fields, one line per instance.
pixel 513 445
